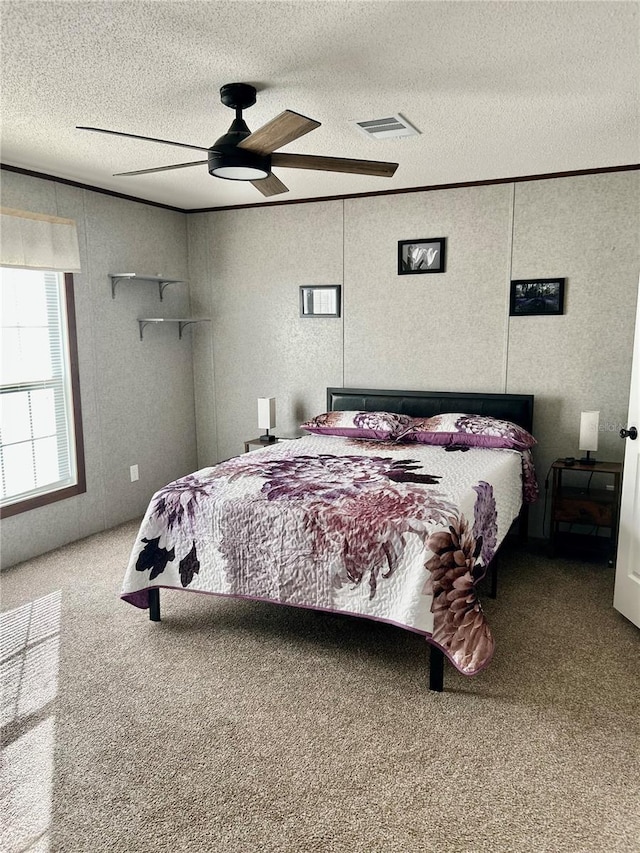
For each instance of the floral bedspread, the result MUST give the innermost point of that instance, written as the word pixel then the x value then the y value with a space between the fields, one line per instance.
pixel 396 532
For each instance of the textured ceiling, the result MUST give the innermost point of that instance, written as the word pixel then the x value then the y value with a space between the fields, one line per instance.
pixel 497 89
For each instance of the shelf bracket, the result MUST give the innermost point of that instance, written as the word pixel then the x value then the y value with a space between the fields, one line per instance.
pixel 141 325
pixel 115 279
pixel 183 323
pixel 162 285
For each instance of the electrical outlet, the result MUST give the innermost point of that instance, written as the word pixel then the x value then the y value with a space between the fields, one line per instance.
pixel 133 471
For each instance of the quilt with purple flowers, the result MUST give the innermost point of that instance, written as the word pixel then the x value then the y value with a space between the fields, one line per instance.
pixel 393 532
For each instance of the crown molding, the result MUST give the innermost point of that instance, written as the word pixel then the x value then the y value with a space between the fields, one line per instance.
pixel 402 191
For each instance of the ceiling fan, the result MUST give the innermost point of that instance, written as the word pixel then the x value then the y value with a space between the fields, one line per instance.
pixel 240 155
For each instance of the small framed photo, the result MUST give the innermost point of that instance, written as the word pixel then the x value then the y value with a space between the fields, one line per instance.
pixel 321 300
pixel 420 256
pixel 536 296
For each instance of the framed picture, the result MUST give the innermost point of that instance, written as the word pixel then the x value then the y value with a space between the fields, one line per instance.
pixel 320 300
pixel 536 296
pixel 420 256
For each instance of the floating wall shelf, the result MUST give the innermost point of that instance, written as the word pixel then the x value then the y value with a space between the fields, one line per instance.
pixel 162 281
pixel 181 321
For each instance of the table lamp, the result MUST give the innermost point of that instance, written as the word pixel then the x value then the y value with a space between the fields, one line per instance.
pixel 267 417
pixel 589 422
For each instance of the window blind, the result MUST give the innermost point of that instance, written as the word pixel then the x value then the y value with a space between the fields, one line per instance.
pixel 36 406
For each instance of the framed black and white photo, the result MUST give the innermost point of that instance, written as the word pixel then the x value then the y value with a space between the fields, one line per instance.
pixel 321 300
pixel 420 256
pixel 532 296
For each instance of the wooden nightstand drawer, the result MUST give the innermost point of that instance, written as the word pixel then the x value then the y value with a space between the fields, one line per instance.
pixel 575 510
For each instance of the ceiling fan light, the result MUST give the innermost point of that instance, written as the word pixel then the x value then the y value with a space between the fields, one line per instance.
pixel 234 164
pixel 238 173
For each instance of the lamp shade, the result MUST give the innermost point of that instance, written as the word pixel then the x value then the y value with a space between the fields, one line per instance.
pixel 589 423
pixel 266 412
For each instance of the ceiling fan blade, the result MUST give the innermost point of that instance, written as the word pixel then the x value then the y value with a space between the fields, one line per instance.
pixel 275 133
pixel 335 164
pixel 160 169
pixel 270 186
pixel 145 138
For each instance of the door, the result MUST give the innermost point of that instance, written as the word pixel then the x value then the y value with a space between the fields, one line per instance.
pixel 626 596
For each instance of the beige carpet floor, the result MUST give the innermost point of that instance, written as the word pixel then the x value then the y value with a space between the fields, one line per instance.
pixel 237 726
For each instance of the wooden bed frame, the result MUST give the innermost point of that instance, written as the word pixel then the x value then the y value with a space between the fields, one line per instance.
pixel 517 408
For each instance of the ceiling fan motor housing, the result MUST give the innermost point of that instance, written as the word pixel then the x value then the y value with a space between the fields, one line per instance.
pixel 226 160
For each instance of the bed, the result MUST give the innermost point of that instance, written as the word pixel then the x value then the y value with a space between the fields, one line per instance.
pixel 373 524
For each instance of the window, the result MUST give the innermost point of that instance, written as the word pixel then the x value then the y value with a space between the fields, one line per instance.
pixel 41 447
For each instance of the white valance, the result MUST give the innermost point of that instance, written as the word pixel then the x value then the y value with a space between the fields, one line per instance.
pixel 36 241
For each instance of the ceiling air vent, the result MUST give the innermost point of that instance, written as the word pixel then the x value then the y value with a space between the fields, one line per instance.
pixel 392 127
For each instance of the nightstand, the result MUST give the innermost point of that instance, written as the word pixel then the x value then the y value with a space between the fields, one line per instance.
pixel 576 502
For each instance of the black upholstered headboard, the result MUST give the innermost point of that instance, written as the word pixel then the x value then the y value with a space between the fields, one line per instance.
pixel 517 408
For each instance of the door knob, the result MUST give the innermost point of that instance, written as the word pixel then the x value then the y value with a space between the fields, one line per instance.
pixel 631 433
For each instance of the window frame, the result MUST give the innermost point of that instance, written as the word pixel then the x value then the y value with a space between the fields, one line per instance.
pixel 80 487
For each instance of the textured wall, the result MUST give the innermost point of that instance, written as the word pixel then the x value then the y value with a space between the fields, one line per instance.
pixel 248 276
pixel 137 396
pixel 438 332
pixel 202 251
pixel 434 331
pixel 586 230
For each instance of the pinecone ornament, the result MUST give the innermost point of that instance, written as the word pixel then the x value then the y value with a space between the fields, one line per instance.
pixel 459 625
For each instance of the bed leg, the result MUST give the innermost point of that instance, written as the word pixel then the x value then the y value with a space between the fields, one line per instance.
pixel 493 571
pixel 154 605
pixel 436 669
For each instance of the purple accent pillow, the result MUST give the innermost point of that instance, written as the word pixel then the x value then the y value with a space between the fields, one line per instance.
pixel 383 426
pixel 468 430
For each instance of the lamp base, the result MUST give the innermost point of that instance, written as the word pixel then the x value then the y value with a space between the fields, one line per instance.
pixel 267 439
pixel 588 459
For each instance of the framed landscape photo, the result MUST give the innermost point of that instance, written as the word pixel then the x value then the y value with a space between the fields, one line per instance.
pixel 321 300
pixel 530 296
pixel 420 256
